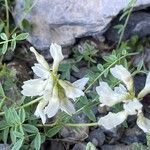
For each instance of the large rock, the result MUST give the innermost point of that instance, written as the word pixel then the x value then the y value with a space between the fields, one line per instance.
pixel 62 21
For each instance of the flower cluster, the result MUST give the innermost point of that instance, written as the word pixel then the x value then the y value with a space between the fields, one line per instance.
pixel 55 93
pixel 125 94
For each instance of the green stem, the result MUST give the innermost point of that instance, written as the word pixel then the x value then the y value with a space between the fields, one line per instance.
pixel 25 105
pixel 70 124
pixel 107 69
pixel 81 124
pixel 24 17
pixel 125 24
pixel 7 18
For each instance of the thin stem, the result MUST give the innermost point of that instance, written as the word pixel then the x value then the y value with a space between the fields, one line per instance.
pixel 81 124
pixel 5 41
pixel 24 17
pixel 125 24
pixel 107 69
pixel 25 105
pixel 7 18
pixel 70 124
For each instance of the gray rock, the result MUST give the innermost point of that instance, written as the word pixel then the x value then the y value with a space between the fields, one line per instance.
pixel 79 146
pixel 97 137
pixel 116 147
pixel 79 133
pixel 4 147
pixel 134 135
pixel 138 24
pixel 63 21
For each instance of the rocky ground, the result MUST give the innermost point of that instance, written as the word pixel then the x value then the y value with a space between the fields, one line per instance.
pixel 74 34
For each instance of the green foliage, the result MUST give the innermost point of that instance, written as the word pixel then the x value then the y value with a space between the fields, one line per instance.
pixel 90 146
pixel 13 41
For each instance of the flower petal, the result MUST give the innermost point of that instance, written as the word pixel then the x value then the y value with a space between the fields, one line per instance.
pixel 124 75
pixel 111 120
pixel 70 90
pixel 143 123
pixel 146 89
pixel 33 87
pixel 133 107
pixel 39 112
pixel 40 58
pixel 120 89
pixel 81 83
pixel 54 103
pixel 67 106
pixel 40 71
pixel 107 96
pixel 56 53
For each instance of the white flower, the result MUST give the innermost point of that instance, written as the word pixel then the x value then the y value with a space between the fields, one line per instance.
pixel 143 123
pixel 109 97
pixel 146 89
pixel 56 53
pixel 111 120
pixel 131 104
pixel 133 107
pixel 124 75
pixel 55 93
pixel 74 90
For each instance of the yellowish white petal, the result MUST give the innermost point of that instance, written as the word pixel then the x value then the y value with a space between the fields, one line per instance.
pixel 53 104
pixel 33 87
pixel 143 123
pixel 67 106
pixel 70 90
pixel 133 107
pixel 40 58
pixel 120 89
pixel 81 83
pixel 40 71
pixel 56 53
pixel 146 89
pixel 124 75
pixel 39 112
pixel 111 120
pixel 109 97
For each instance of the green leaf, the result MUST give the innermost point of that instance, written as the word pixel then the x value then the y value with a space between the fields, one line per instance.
pixel 3 36
pixel 5 135
pixel 37 141
pixel 100 67
pixel 2 24
pixel 13 44
pixel 30 128
pixel 1 91
pixel 12 117
pixel 90 146
pixel 12 135
pixel 18 134
pixel 54 130
pixel 22 36
pixel 22 114
pixel 14 36
pixel 89 114
pixel 4 47
pixel 17 145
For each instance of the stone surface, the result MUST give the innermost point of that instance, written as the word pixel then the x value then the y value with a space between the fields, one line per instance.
pixel 138 24
pixel 115 147
pixel 79 146
pixel 53 145
pixel 64 21
pixel 97 137
pixel 4 147
pixel 133 135
pixel 79 133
